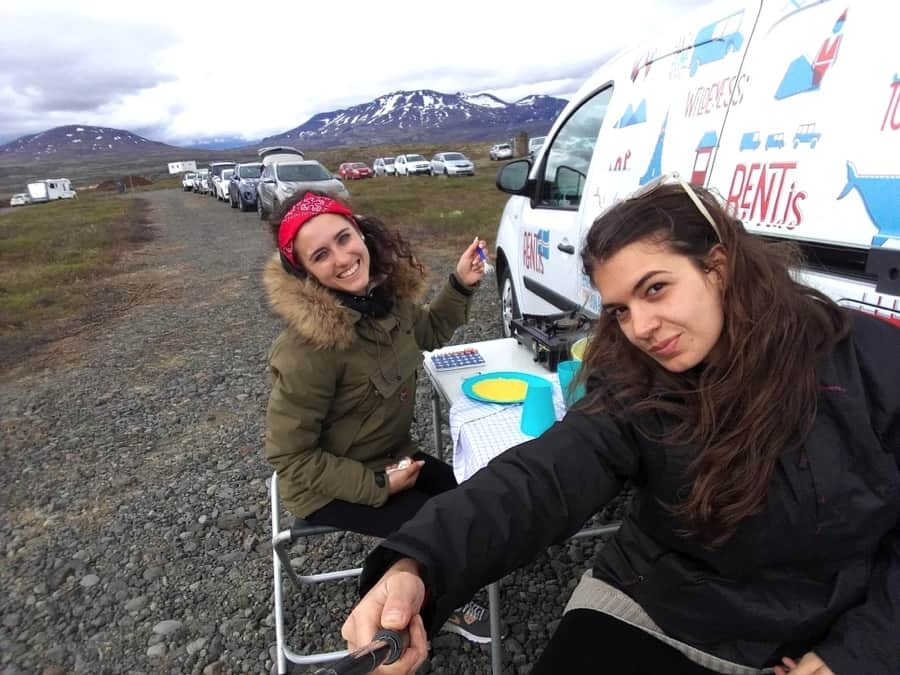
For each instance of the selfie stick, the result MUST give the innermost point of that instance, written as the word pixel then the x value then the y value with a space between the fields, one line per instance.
pixel 385 648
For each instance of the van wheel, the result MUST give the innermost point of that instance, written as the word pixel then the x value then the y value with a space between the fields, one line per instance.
pixel 509 306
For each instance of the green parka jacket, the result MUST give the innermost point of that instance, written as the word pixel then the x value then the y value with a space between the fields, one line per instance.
pixel 344 385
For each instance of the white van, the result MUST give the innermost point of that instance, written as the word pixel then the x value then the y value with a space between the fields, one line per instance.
pixel 50 189
pixel 791 111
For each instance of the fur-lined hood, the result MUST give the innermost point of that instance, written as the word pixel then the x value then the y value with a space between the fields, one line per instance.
pixel 315 314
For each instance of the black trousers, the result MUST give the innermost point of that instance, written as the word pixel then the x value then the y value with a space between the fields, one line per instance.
pixel 593 642
pixel 434 478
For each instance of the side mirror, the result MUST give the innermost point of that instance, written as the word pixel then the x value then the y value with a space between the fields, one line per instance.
pixel 513 178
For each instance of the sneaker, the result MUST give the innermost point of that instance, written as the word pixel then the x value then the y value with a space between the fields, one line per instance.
pixel 470 621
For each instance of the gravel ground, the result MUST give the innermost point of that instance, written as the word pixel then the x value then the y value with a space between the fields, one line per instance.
pixel 134 513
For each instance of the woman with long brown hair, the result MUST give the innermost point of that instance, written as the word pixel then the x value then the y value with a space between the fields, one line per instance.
pixel 759 424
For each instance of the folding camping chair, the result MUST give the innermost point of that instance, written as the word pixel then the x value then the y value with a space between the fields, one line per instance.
pixel 282 539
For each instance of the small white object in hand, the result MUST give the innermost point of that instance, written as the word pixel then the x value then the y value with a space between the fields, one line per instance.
pixel 488 268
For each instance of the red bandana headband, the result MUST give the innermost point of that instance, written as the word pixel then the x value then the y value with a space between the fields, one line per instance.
pixel 309 207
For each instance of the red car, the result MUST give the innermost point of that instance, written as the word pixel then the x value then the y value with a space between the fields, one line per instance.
pixel 354 170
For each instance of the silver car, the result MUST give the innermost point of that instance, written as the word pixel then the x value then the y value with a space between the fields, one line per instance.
pixel 282 179
pixel 451 164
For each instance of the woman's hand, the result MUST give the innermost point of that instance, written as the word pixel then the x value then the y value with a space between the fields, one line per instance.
pixel 810 664
pixel 394 602
pixel 470 268
pixel 400 479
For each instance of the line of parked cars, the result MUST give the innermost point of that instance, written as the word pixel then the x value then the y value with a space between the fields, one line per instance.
pixel 441 164
pixel 263 185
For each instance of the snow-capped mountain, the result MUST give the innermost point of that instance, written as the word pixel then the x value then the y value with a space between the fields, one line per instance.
pixel 79 141
pixel 423 116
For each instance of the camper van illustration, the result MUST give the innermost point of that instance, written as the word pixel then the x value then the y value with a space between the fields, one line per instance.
pixel 750 140
pixel 717 40
pixel 806 133
pixel 705 147
pixel 775 140
pixel 880 195
pixel 633 115
pixel 654 169
pixel 806 74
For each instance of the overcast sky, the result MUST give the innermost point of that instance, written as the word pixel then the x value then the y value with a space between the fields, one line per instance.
pixel 178 71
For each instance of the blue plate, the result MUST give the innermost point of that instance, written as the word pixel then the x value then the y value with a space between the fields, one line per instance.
pixel 497 375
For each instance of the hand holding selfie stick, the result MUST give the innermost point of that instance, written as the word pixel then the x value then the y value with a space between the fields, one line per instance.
pixel 385 648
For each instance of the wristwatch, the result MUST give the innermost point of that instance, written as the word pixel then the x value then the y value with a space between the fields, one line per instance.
pixel 381 479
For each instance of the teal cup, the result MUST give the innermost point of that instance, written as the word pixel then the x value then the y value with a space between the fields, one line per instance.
pixel 538 413
pixel 567 371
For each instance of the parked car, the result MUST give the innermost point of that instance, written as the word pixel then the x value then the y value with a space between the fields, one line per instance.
pixel 452 164
pixel 187 180
pixel 411 165
pixel 384 166
pixel 201 181
pixel 242 189
pixel 222 183
pixel 279 153
pixel 20 199
pixel 216 169
pixel 534 145
pixel 354 171
pixel 501 151
pixel 279 181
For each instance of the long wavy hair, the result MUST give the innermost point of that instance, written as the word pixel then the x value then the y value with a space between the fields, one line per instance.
pixel 755 395
pixel 387 248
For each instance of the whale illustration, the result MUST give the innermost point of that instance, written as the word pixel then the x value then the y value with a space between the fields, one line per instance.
pixel 881 197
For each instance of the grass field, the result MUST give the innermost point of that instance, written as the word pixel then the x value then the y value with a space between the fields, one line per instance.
pixel 51 254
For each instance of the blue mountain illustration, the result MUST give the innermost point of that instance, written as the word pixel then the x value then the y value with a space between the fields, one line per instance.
pixel 799 78
pixel 631 116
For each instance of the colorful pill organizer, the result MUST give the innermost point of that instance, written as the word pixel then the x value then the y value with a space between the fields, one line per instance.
pixel 461 358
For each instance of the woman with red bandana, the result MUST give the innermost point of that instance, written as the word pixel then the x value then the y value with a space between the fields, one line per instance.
pixel 343 371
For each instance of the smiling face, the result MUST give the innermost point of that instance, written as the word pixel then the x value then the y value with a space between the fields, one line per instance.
pixel 331 249
pixel 664 304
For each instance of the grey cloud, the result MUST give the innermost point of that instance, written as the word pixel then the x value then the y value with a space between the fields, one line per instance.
pixel 62 63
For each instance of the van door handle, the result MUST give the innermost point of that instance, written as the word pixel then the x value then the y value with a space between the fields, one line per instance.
pixel 566 248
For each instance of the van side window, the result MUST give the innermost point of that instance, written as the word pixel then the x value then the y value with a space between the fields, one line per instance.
pixel 567 159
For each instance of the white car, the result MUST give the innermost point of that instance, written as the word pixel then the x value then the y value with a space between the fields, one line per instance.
pixel 222 184
pixel 187 181
pixel 501 151
pixel 384 166
pixel 20 199
pixel 411 165
pixel 451 164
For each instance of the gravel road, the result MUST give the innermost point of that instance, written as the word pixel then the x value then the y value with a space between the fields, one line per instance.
pixel 134 513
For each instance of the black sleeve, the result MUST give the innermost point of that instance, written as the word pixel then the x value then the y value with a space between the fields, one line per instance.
pixel 529 497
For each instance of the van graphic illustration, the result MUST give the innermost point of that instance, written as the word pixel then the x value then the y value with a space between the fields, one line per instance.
pixel 806 133
pixel 717 40
pixel 880 195
pixel 806 75
pixel 775 141
pixel 750 140
pixel 633 116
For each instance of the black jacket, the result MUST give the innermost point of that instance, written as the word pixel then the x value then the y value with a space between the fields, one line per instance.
pixel 818 570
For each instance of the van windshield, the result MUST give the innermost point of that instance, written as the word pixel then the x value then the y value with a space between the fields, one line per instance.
pixel 415 158
pixel 251 171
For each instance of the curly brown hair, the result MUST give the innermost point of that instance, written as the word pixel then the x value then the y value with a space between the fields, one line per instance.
pixel 387 248
pixel 756 394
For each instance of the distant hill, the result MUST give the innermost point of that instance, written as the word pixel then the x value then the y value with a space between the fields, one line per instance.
pixel 74 141
pixel 423 116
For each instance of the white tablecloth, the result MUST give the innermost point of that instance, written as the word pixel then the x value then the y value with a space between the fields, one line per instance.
pixel 481 431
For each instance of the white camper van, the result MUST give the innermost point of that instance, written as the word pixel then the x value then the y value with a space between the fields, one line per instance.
pixel 50 189
pixel 789 110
